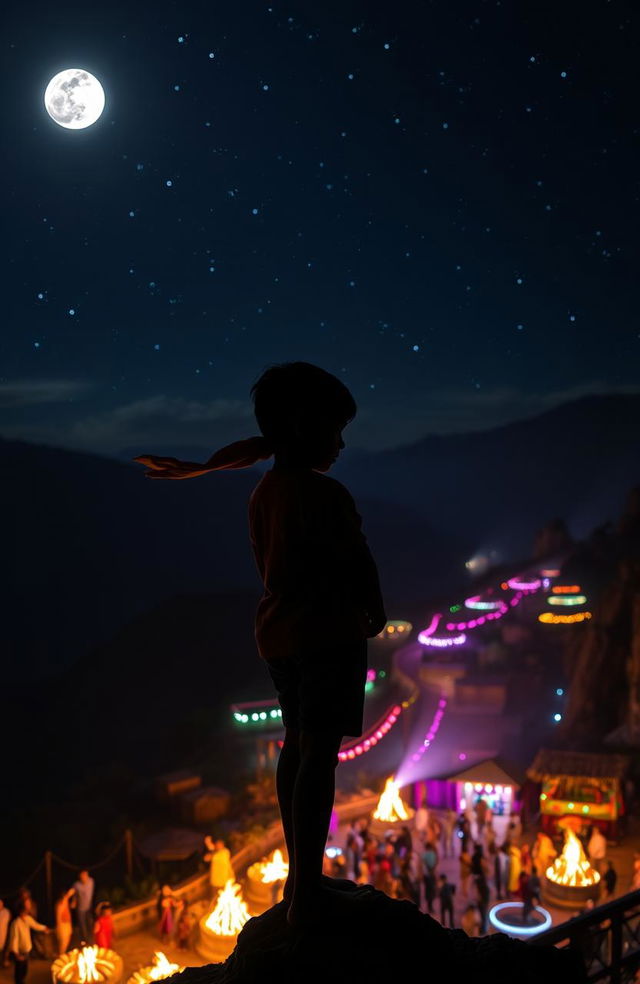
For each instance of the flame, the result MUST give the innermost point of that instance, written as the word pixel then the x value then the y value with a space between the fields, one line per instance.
pixel 230 913
pixel 157 971
pixel 87 971
pixel 275 869
pixel 390 807
pixel 86 966
pixel 572 867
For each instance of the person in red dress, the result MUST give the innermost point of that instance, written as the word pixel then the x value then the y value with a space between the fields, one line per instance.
pixel 103 930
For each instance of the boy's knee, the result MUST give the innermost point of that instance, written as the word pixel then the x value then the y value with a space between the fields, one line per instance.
pixel 319 749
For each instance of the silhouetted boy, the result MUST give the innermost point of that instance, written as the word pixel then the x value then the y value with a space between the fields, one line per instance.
pixel 321 600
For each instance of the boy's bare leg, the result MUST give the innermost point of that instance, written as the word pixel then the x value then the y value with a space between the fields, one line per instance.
pixel 286 775
pixel 313 798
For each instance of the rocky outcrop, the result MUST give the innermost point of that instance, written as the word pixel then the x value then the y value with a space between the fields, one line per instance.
pixel 602 659
pixel 365 937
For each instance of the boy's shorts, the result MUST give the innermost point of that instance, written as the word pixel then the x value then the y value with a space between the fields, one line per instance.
pixel 323 692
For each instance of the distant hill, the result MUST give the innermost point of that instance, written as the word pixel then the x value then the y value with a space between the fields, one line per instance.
pixel 495 488
pixel 89 543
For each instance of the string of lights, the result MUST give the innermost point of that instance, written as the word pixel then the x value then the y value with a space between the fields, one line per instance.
pixel 550 619
pixel 433 729
pixel 579 599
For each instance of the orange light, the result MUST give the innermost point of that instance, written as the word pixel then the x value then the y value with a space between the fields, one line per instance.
pixel 550 619
pixel 565 589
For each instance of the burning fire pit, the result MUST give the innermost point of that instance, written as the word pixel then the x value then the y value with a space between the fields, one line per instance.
pixel 157 971
pixel 90 965
pixel 219 929
pixel 571 881
pixel 391 809
pixel 265 881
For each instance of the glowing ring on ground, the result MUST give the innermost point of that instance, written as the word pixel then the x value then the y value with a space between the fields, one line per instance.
pixel 504 927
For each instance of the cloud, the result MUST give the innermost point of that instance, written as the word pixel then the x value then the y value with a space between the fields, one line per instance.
pixel 30 392
pixel 161 423
pixel 151 425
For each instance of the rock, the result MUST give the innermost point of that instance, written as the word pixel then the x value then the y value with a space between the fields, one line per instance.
pixel 365 937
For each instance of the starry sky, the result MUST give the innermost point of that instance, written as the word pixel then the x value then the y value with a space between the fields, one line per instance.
pixel 436 201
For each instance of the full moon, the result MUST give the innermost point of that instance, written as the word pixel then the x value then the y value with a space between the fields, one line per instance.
pixel 74 98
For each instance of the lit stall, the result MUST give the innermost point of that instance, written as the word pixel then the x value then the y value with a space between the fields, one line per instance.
pixel 586 787
pixel 493 780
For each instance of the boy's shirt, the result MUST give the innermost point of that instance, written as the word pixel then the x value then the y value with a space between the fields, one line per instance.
pixel 320 580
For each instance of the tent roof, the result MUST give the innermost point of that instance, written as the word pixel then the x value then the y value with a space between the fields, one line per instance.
pixel 552 762
pixel 491 770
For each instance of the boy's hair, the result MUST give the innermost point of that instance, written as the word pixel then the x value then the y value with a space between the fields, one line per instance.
pixel 301 390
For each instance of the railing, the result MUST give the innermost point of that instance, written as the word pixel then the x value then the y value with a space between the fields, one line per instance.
pixel 607 937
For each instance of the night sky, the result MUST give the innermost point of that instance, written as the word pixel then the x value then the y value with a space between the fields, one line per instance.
pixel 437 201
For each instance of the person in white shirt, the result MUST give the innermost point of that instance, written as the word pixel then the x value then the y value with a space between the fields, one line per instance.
pixel 597 850
pixel 20 944
pixel 421 820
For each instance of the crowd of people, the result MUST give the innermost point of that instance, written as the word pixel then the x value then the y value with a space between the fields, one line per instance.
pixel 404 864
pixel 21 934
pixel 408 865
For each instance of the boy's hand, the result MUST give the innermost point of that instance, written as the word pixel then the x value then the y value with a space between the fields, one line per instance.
pixel 162 467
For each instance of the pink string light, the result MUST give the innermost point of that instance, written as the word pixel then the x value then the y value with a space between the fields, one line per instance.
pixel 362 745
pixel 433 730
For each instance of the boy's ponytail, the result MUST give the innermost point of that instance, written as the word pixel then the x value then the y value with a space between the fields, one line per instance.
pixel 241 454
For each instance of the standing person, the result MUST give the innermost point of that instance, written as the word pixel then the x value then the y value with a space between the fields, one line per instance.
pixel 421 820
pixel 609 880
pixel 543 852
pixel 480 811
pixel 513 885
pixel 446 892
pixel 479 864
pixel 530 894
pixel 526 861
pixel 465 872
pixel 64 924
pixel 597 850
pixel 83 888
pixel 20 943
pixel 220 867
pixel 430 863
pixel 501 872
pixel 183 927
pixel 321 603
pixel 5 918
pixel 403 843
pixel 448 828
pixel 464 831
pixel 482 888
pixel 167 904
pixel 352 857
pixel 489 837
pixel 470 921
pixel 104 929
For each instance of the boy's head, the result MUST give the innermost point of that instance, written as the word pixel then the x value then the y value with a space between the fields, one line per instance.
pixel 302 409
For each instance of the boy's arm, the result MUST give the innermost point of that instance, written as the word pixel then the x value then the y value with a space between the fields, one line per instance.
pixel 361 565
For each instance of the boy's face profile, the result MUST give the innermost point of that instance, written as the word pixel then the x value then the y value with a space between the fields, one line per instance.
pixel 314 444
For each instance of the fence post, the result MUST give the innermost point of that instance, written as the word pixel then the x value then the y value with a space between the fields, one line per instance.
pixel 48 876
pixel 128 852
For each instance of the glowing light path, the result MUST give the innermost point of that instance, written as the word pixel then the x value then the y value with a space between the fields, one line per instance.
pixel 427 638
